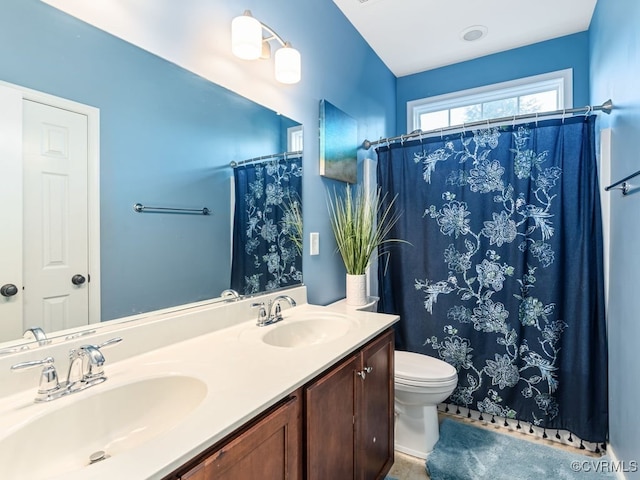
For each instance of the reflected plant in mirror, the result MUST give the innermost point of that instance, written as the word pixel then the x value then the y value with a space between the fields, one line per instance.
pixel 157 135
pixel 292 222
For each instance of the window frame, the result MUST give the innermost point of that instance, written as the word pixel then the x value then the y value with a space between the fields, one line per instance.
pixel 294 139
pixel 561 80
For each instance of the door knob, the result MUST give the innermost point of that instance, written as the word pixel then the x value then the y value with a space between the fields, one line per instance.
pixel 78 279
pixel 8 290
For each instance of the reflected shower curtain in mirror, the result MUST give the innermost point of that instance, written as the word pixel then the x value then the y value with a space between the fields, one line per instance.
pixel 503 278
pixel 267 252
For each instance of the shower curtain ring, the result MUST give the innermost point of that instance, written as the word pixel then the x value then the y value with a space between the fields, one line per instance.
pixel 536 119
pixel 441 133
pixel 586 114
pixel 564 112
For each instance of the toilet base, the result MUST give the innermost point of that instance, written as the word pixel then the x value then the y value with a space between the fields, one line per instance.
pixel 417 429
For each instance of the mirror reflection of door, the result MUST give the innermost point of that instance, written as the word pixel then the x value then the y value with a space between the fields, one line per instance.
pixel 11 214
pixel 51 188
pixel 55 264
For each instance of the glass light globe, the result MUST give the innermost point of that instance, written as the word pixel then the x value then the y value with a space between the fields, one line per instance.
pixel 288 69
pixel 246 37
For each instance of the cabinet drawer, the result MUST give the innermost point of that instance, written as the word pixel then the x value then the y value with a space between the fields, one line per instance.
pixel 268 449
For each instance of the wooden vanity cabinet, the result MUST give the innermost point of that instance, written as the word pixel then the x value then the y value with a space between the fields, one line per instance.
pixel 375 419
pixel 349 416
pixel 269 449
pixel 330 423
pixel 339 426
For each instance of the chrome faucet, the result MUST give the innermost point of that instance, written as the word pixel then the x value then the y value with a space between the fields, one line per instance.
pixel 86 365
pixel 230 293
pixel 276 315
pixel 37 334
pixel 86 369
pixel 272 312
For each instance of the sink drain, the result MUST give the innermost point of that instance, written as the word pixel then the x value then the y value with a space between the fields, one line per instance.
pixel 98 456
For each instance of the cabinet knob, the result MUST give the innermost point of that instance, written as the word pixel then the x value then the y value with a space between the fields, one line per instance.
pixel 368 369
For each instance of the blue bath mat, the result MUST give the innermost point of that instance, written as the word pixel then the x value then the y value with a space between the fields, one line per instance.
pixel 465 452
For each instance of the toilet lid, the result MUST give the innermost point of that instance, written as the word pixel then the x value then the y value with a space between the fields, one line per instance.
pixel 415 367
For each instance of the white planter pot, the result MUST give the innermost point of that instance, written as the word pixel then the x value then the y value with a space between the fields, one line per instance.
pixel 356 290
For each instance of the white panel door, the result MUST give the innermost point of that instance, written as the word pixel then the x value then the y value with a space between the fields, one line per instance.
pixel 10 214
pixel 55 260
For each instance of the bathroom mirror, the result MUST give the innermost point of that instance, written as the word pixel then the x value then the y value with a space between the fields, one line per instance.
pixel 167 137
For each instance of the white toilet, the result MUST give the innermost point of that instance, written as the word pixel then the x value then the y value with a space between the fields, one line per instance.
pixel 421 383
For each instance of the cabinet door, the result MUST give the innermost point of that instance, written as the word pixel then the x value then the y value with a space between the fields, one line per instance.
pixel 270 449
pixel 330 404
pixel 376 412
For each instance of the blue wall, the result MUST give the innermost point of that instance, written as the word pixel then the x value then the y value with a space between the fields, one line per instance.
pixel 162 129
pixel 166 139
pixel 571 51
pixel 615 69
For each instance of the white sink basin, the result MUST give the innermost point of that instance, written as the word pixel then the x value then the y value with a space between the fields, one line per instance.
pixel 111 420
pixel 309 329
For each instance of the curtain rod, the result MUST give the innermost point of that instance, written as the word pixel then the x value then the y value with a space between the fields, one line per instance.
pixel 606 107
pixel 297 153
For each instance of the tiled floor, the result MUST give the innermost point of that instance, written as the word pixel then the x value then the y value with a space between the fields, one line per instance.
pixel 406 467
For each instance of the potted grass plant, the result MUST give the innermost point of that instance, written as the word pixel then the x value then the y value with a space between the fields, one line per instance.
pixel 361 223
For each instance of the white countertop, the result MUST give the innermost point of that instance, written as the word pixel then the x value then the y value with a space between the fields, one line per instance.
pixel 243 375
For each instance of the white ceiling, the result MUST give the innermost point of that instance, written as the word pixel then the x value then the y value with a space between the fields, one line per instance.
pixel 411 36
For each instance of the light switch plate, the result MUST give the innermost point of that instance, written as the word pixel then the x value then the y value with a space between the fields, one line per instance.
pixel 314 243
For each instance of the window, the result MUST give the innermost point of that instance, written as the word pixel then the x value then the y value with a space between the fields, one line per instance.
pixel 540 93
pixel 294 139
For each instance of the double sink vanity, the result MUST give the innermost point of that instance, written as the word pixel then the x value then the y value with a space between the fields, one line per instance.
pixel 205 393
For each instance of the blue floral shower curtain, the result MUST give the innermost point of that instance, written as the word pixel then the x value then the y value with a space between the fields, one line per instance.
pixel 265 255
pixel 503 278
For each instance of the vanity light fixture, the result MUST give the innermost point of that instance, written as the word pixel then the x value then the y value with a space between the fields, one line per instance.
pixel 248 43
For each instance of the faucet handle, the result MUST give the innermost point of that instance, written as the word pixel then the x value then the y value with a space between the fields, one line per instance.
pixel 92 362
pixel 108 343
pixel 95 365
pixel 278 312
pixel 74 351
pixel 48 378
pixel 262 313
pixel 33 363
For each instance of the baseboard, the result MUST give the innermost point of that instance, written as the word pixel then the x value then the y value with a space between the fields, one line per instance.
pixel 614 459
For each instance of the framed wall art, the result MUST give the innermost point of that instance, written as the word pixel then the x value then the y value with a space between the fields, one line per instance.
pixel 338 144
